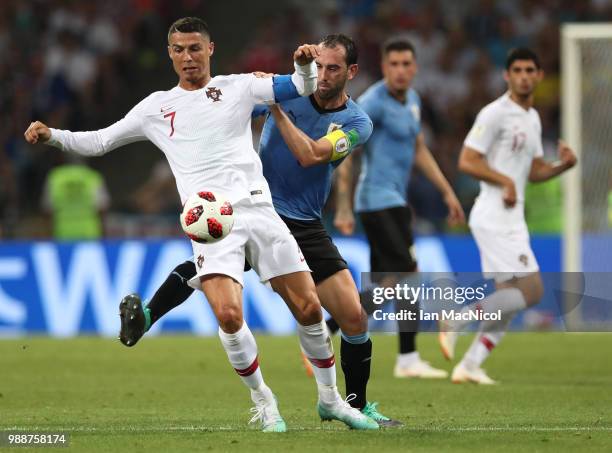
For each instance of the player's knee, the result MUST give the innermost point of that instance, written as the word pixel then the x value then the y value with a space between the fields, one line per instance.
pixel 310 312
pixel 534 295
pixel 186 270
pixel 353 322
pixel 533 291
pixel 230 319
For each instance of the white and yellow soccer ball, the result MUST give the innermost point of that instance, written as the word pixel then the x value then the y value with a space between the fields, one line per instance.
pixel 207 217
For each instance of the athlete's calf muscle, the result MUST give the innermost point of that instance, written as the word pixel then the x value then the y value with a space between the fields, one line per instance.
pixel 339 296
pixel 299 293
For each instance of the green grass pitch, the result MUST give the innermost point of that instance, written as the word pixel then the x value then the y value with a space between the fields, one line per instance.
pixel 180 394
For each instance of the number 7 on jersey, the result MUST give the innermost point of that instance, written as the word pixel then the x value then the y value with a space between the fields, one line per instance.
pixel 171 115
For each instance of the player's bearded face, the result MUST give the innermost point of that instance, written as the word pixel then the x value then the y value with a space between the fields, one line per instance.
pixel 522 77
pixel 190 54
pixel 399 68
pixel 333 72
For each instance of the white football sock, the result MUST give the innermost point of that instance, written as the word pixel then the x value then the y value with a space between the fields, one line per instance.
pixel 317 346
pixel 241 351
pixel 508 301
pixel 489 336
pixel 409 359
pixel 480 348
pixel 263 393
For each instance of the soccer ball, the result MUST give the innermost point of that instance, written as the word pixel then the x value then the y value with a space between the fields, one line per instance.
pixel 207 217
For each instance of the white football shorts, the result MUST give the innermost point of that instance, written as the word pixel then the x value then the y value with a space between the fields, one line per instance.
pixel 258 234
pixel 505 254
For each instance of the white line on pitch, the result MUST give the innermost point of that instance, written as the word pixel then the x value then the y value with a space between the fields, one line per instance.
pixel 134 429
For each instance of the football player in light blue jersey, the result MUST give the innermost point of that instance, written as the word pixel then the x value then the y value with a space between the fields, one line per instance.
pixel 301 183
pixel 301 145
pixel 397 144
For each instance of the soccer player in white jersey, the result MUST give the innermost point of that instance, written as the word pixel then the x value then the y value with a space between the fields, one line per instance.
pixel 504 150
pixel 203 126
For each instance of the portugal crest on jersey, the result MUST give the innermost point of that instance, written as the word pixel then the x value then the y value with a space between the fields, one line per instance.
pixel 214 94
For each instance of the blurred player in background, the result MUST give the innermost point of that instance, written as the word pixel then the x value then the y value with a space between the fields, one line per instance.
pixel 76 198
pixel 396 144
pixel 203 126
pixel 504 150
pixel 301 145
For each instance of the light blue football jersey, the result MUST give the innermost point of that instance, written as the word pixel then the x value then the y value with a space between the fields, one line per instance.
pixel 389 154
pixel 301 192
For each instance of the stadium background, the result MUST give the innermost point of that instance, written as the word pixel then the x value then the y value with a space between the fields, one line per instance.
pixel 81 65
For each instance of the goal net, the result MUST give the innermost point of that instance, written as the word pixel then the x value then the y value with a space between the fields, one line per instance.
pixel 587 211
pixel 587 126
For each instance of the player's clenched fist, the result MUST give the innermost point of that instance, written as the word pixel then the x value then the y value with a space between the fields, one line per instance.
pixel 37 131
pixel 566 155
pixel 509 194
pixel 306 53
pixel 344 221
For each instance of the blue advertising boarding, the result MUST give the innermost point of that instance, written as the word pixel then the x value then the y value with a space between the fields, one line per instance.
pixel 67 289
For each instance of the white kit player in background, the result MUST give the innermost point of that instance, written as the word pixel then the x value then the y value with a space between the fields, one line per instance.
pixel 504 150
pixel 203 126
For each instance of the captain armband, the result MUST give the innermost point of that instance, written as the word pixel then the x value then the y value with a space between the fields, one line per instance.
pixel 342 143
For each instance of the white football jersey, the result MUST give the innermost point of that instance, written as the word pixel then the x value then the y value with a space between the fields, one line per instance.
pixel 510 137
pixel 205 135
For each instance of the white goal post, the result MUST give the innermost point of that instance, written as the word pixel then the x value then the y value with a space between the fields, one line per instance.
pixel 586 94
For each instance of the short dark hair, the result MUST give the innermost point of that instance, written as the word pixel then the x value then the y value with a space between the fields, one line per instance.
pixel 398 44
pixel 331 41
pixel 522 53
pixel 189 25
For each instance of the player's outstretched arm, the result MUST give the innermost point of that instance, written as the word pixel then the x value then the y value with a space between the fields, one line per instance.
pixel 425 161
pixel 92 143
pixel 306 150
pixel 542 170
pixel 475 164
